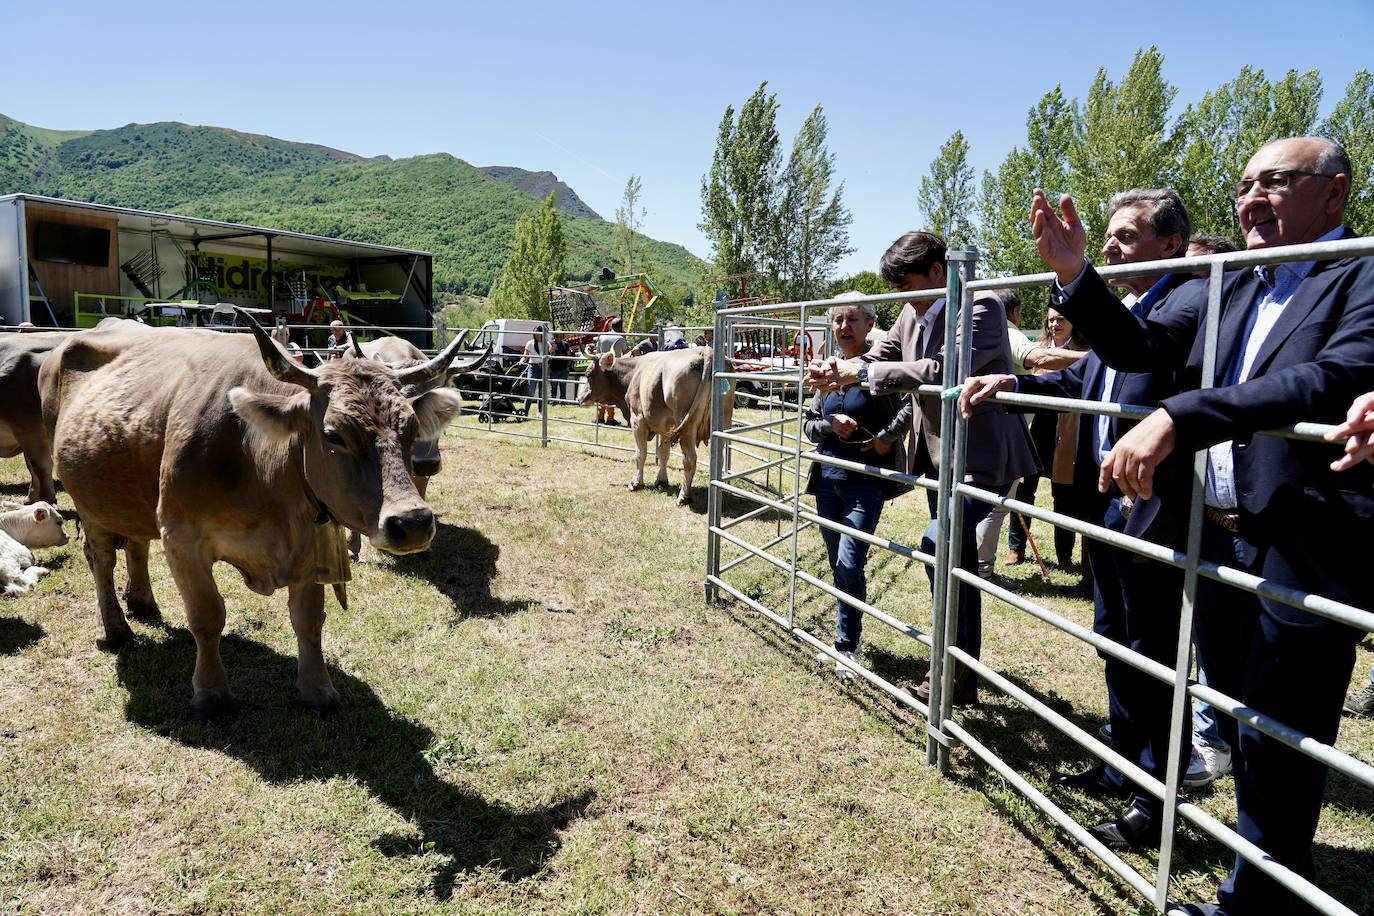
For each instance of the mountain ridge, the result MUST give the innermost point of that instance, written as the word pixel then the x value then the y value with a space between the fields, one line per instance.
pixel 436 202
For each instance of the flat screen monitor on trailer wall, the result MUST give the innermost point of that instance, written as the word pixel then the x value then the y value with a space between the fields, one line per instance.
pixel 64 243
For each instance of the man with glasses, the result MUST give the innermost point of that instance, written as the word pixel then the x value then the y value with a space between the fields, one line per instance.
pixel 1136 603
pixel 1296 342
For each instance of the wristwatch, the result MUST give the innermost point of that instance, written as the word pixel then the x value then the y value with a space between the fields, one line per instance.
pixel 863 376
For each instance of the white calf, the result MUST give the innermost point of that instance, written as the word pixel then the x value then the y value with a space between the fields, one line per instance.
pixel 18 573
pixel 35 525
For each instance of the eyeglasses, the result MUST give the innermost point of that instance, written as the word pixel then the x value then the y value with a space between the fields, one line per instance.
pixel 1277 180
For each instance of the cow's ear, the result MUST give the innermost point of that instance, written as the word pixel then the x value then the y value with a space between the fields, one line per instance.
pixel 273 415
pixel 607 360
pixel 39 514
pixel 435 410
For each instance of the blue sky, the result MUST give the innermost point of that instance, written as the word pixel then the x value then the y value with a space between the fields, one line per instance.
pixel 597 92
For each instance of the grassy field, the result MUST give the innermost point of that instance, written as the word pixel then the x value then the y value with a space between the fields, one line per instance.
pixel 542 715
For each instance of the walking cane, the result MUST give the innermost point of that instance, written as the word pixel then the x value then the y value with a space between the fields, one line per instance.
pixel 1035 550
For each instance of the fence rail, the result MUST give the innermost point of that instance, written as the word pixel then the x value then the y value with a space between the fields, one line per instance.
pixel 944 731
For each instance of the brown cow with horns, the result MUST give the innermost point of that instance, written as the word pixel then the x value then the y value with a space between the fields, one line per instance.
pixel 227 449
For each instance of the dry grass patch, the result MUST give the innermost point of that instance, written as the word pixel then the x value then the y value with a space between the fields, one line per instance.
pixel 541 715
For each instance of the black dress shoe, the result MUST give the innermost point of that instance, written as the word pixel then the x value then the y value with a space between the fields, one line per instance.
pixel 1092 782
pixel 1133 830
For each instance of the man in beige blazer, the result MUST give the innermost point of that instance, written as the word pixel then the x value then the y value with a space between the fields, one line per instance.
pixel 912 354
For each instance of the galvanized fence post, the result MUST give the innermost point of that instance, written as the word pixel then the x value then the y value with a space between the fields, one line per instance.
pixel 547 336
pixel 719 388
pixel 954 453
pixel 1183 658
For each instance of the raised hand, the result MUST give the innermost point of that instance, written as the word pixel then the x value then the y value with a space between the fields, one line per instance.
pixel 1358 431
pixel 1060 241
pixel 980 387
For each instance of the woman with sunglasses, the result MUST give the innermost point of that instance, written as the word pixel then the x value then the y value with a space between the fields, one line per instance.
pixel 853 425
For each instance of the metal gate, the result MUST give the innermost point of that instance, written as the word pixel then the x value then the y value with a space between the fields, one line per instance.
pixel 785 441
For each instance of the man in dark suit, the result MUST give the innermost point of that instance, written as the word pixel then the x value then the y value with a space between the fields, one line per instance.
pixel 1135 602
pixel 1296 343
pixel 913 354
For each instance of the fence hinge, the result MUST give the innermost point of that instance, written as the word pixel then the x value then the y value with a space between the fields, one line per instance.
pixel 947 741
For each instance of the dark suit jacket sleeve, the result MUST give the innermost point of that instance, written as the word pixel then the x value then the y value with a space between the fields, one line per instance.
pixel 1066 383
pixel 1129 343
pixel 1320 388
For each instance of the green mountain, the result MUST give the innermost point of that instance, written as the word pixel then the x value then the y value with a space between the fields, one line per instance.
pixel 465 215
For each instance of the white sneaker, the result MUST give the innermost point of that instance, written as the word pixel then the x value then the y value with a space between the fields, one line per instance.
pixel 1205 765
pixel 841 671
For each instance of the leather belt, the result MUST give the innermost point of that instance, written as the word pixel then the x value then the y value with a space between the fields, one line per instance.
pixel 1228 520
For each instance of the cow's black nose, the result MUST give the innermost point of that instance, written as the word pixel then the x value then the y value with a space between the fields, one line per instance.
pixel 426 468
pixel 417 525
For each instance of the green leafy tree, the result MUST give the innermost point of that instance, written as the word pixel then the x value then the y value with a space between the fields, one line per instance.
pixel 869 283
pixel 1004 238
pixel 1351 123
pixel 1225 128
pixel 538 259
pixel 1122 138
pixel 629 216
pixel 812 229
pixel 946 198
pixel 738 207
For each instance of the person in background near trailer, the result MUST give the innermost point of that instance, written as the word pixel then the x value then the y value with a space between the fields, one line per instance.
pixel 558 368
pixel 1296 343
pixel 533 374
pixel 26 327
pixel 281 333
pixel 1358 431
pixel 674 337
pixel 340 341
pixel 646 345
pixel 999 448
pixel 611 342
pixel 853 425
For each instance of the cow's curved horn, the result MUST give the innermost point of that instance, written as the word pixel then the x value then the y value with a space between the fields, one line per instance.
pixel 418 375
pixel 278 362
pixel 357 350
pixel 588 351
pixel 469 366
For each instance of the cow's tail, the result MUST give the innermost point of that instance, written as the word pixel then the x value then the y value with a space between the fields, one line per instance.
pixel 703 387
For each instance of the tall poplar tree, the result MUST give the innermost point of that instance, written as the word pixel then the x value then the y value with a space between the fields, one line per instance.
pixel 1225 128
pixel 1004 238
pixel 738 206
pixel 1351 124
pixel 946 199
pixel 812 226
pixel 629 216
pixel 538 259
pixel 1122 138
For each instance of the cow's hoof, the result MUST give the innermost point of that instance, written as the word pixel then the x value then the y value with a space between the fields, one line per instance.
pixel 662 484
pixel 634 486
pixel 322 701
pixel 145 611
pixel 684 500
pixel 212 704
pixel 114 640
